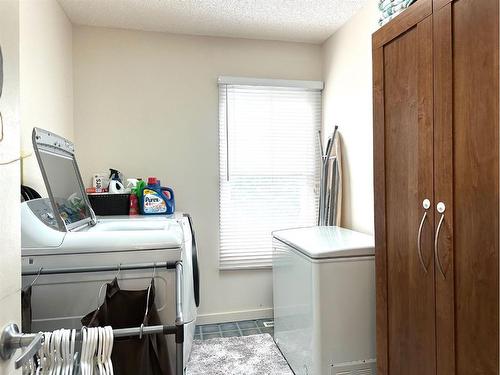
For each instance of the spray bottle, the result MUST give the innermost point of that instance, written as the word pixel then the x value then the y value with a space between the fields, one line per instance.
pixel 115 183
pixel 133 200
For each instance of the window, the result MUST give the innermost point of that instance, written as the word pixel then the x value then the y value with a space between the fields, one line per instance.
pixel 269 164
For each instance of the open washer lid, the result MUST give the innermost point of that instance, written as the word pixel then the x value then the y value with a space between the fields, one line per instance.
pixel 327 242
pixel 56 158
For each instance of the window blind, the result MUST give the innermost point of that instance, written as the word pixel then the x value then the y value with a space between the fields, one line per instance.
pixel 269 168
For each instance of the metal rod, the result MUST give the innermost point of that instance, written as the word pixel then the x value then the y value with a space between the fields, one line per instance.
pixel 179 358
pixel 136 266
pixel 27 338
pixel 178 293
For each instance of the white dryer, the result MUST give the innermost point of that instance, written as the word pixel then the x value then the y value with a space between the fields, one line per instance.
pixel 62 231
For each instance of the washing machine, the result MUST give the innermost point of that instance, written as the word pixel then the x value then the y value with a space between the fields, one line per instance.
pixel 324 300
pixel 62 231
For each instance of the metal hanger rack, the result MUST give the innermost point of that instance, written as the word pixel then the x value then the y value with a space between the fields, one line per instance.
pixel 12 339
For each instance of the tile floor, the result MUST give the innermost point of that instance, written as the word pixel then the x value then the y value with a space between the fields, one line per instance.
pixel 232 329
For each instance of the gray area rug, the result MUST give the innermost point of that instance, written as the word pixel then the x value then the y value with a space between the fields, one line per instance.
pixel 247 355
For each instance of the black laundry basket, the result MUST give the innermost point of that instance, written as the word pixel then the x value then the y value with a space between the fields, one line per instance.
pixel 110 204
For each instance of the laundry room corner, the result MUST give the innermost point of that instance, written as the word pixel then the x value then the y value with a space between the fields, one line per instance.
pixel 137 91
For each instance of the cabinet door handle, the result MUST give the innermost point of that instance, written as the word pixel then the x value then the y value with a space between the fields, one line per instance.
pixel 426 204
pixel 440 208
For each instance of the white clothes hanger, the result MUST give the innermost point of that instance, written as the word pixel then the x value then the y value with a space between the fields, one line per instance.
pixel 109 363
pixel 72 351
pixel 100 351
pixel 67 355
pixel 52 357
pixel 39 359
pixel 90 352
pixel 94 351
pixel 102 348
pixel 69 358
pixel 85 359
pixel 63 353
pixel 95 337
pixel 57 353
pixel 45 359
pixel 49 355
pixel 83 354
pixel 105 351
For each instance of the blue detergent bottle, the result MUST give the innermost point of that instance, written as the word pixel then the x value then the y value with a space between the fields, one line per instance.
pixel 157 200
pixel 168 193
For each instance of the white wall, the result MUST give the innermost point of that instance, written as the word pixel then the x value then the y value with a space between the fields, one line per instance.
pixel 347 102
pixel 10 248
pixel 46 73
pixel 147 104
pixel 135 91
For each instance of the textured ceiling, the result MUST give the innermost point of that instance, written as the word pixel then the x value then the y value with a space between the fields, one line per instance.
pixel 290 20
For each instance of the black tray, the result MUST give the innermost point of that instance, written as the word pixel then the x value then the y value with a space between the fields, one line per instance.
pixel 110 204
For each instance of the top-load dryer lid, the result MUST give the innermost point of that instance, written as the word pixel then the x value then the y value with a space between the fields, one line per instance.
pixel 327 242
pixel 56 158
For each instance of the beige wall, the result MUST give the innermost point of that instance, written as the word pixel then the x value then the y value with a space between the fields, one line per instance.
pixel 147 104
pixel 46 73
pixel 10 248
pixel 347 102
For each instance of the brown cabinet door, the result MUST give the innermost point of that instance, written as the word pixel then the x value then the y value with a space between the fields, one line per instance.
pixel 438 4
pixel 466 168
pixel 403 151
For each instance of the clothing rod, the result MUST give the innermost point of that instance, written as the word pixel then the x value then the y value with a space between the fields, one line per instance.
pixel 122 267
pixel 27 338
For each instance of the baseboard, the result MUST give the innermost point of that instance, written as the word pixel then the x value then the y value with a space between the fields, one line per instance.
pixel 234 316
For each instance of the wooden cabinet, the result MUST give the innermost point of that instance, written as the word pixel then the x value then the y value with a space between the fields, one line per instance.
pixel 436 130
